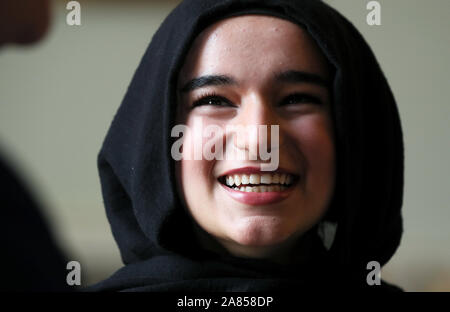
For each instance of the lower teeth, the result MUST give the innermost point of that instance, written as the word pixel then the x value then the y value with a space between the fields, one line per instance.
pixel 261 189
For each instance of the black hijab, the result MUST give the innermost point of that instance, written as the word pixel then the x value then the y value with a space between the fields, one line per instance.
pixel 137 172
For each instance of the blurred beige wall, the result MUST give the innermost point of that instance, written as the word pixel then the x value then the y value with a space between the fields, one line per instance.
pixel 57 100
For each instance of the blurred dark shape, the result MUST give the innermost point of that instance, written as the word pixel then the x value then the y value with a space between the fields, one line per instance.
pixel 23 21
pixel 30 259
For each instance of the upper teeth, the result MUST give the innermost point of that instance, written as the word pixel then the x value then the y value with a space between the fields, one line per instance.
pixel 267 178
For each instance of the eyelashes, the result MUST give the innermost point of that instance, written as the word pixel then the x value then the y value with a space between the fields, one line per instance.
pixel 216 100
pixel 212 99
pixel 297 98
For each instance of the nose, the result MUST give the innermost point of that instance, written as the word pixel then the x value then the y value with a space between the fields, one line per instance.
pixel 256 120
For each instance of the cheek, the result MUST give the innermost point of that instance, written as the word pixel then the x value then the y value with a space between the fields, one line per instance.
pixel 314 137
pixel 197 183
pixel 317 136
pixel 196 187
pixel 195 171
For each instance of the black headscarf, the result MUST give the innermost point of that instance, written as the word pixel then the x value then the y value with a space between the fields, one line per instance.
pixel 153 231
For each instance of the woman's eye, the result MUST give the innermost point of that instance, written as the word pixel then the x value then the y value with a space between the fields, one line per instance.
pixel 212 100
pixel 299 98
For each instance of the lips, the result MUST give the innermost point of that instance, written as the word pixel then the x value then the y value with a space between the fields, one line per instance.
pixel 250 185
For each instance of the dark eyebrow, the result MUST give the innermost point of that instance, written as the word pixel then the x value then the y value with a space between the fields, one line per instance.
pixel 209 80
pixel 291 76
pixel 294 76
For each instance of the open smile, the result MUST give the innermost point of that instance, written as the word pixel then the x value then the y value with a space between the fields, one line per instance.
pixel 251 186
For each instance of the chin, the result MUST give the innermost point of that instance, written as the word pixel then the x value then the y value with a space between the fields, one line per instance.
pixel 260 232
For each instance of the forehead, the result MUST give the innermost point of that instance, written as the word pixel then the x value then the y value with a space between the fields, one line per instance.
pixel 250 44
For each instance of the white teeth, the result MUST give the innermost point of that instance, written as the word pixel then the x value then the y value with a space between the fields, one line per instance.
pixel 261 188
pixel 253 189
pixel 260 180
pixel 276 178
pixel 266 179
pixel 255 178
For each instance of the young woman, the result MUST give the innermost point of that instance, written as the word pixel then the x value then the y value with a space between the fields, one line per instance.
pixel 328 208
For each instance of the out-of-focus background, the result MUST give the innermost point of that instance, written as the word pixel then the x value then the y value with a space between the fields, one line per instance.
pixel 58 97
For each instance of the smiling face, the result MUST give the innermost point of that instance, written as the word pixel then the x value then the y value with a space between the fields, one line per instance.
pixel 257 70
